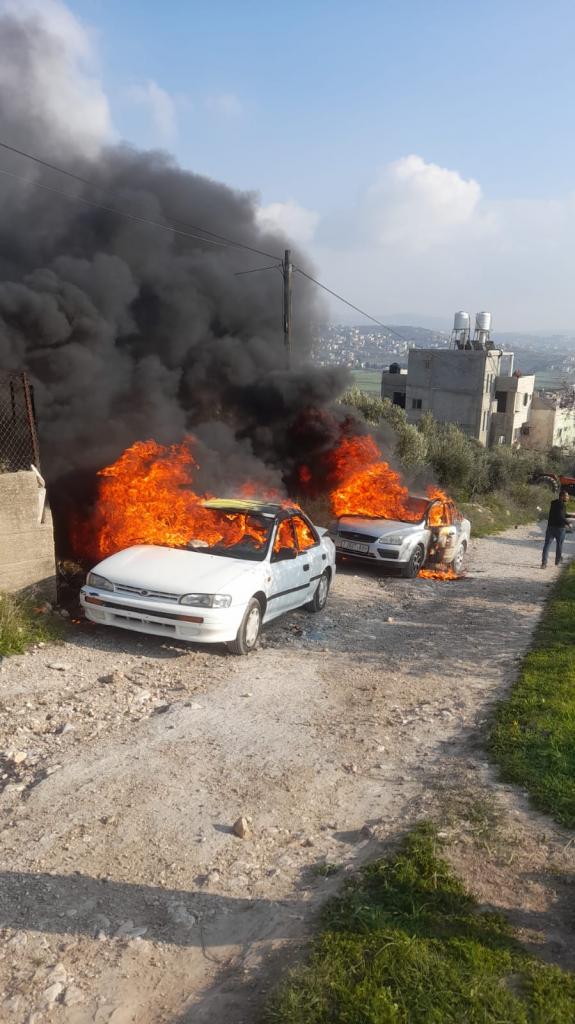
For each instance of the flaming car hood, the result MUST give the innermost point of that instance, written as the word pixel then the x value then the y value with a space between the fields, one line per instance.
pixel 370 526
pixel 151 567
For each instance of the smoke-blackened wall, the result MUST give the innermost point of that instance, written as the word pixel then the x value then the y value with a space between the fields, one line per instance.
pixel 130 331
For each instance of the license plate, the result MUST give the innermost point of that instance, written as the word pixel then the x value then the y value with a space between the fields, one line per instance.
pixel 350 545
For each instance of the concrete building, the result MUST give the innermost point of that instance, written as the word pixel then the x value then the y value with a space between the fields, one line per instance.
pixel 552 422
pixel 512 408
pixel 394 384
pixel 472 385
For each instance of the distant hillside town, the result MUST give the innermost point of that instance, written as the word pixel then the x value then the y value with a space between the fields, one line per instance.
pixel 364 347
pixel 370 348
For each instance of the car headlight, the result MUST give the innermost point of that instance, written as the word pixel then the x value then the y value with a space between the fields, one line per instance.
pixel 207 600
pixel 395 539
pixel 100 582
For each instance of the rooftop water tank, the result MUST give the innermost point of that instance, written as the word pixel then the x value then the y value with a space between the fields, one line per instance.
pixel 461 321
pixel 483 321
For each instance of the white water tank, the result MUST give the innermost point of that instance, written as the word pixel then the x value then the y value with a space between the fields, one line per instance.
pixel 483 321
pixel 461 321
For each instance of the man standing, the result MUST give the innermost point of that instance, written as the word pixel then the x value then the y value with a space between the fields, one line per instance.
pixel 557 523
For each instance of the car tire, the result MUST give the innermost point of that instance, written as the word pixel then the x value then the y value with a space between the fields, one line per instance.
pixel 249 631
pixel 415 564
pixel 459 558
pixel 319 599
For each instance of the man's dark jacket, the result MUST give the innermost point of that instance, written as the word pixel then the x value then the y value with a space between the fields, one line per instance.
pixel 558 517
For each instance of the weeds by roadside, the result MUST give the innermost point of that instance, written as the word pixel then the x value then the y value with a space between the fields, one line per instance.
pixel 406 944
pixel 521 504
pixel 533 737
pixel 22 624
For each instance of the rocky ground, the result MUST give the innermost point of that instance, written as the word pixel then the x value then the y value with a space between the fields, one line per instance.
pixel 126 897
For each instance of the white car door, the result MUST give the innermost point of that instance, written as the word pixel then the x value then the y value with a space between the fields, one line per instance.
pixel 311 555
pixel 290 581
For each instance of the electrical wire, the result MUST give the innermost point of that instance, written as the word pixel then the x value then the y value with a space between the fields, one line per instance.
pixel 191 230
pixel 350 304
pixel 221 239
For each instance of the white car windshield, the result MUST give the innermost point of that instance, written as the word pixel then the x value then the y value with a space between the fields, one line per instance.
pixel 231 534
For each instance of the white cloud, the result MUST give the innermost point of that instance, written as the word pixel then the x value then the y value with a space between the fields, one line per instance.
pixel 418 204
pixel 424 239
pixel 161 107
pixel 291 219
pixel 59 86
pixel 226 103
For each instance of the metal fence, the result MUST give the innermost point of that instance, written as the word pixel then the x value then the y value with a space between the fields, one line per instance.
pixel 18 435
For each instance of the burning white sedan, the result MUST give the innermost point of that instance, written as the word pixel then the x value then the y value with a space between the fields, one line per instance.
pixel 248 563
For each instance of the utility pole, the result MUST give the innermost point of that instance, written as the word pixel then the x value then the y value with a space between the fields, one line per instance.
pixel 287 270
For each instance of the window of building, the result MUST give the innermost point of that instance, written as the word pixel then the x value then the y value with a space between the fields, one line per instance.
pixel 428 364
pixel 416 403
pixel 399 398
pixel 501 398
pixel 525 399
pixel 484 420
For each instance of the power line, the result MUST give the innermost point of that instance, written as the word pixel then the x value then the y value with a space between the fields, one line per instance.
pixel 221 239
pixel 350 304
pixel 189 232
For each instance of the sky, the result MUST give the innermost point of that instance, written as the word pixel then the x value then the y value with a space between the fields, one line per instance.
pixel 422 151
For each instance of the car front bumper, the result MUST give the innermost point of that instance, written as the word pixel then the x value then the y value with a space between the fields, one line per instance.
pixel 374 552
pixel 181 622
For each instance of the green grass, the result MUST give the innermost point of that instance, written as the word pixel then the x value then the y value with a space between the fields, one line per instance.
pixel 22 625
pixel 533 737
pixel 324 869
pixel 406 944
pixel 367 380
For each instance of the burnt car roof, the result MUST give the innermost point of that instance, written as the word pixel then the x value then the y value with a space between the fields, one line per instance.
pixel 264 508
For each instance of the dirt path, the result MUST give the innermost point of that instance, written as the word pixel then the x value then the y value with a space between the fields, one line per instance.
pixel 124 897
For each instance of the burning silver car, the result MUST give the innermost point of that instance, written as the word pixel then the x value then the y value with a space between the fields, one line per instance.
pixel 433 533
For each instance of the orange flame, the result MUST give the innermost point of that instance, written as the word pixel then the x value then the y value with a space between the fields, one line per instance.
pixel 147 497
pixel 366 485
pixel 440 573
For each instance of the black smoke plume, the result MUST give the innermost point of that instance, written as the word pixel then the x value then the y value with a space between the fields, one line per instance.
pixel 131 332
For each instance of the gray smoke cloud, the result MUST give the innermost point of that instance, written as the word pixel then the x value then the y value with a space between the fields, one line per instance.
pixel 128 331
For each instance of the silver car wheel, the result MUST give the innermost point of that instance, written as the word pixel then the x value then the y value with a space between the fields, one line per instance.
pixel 459 558
pixel 418 556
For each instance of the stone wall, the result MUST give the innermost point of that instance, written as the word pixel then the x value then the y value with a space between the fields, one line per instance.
pixel 27 557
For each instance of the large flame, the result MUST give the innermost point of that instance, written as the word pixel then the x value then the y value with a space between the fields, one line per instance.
pixel 365 484
pixel 148 497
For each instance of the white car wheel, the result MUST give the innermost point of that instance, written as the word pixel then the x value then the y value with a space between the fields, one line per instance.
pixel 249 631
pixel 319 599
pixel 252 630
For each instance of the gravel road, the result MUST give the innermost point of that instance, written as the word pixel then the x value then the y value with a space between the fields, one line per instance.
pixel 125 897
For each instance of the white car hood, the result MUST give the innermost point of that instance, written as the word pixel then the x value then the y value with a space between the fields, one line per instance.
pixel 357 524
pixel 151 567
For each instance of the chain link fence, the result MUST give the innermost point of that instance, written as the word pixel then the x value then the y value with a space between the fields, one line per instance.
pixel 18 436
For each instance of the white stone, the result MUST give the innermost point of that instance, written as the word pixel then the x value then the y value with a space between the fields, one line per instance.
pixel 52 993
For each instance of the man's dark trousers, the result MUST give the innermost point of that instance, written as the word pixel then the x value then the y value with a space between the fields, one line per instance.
pixel 557 534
